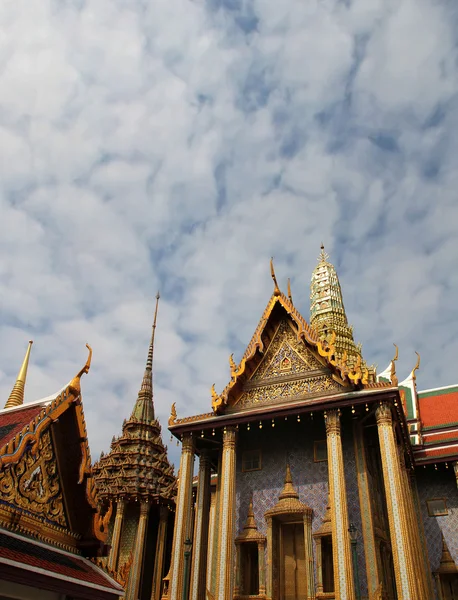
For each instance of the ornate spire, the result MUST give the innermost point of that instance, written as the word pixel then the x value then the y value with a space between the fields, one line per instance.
pixel 17 393
pixel 144 407
pixel 447 564
pixel 272 272
pixel 288 488
pixel 327 311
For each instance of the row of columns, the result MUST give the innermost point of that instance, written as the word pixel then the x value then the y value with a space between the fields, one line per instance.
pixel 134 581
pixel 407 546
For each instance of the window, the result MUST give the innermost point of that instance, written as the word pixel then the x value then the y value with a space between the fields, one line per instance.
pixel 251 461
pixel 320 451
pixel 437 507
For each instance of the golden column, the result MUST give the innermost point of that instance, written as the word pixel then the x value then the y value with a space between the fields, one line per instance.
pixel 135 574
pixel 309 555
pixel 183 525
pixel 216 528
pixel 160 553
pixel 198 581
pixel 397 518
pixel 116 537
pixel 343 568
pixel 211 538
pixel 225 566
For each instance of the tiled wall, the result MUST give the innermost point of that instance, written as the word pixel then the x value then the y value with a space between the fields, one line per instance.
pixel 293 442
pixel 440 483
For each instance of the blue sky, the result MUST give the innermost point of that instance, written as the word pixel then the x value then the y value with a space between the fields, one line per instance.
pixel 177 145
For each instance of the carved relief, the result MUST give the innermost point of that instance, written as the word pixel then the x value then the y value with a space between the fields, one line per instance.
pixel 287 351
pixel 289 390
pixel 33 483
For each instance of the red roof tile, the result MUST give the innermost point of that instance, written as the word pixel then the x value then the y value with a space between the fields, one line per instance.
pixel 451 436
pixel 38 555
pixel 425 453
pixel 11 422
pixel 439 408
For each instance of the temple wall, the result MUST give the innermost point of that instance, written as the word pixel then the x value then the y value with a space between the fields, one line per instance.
pixel 439 484
pixel 129 531
pixel 294 443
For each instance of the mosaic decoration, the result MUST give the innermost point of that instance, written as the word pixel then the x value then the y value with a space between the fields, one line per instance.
pixel 33 483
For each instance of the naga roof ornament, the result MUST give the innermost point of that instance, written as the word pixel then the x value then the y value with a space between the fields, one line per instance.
pixel 16 397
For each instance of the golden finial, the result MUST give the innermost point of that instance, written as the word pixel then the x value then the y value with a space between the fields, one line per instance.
pixel 288 488
pixel 393 376
pixel 173 414
pixel 17 393
pixel 250 521
pixel 416 367
pixel 272 272
pixel 232 364
pixel 149 361
pixel 323 256
pixel 75 382
pixel 289 291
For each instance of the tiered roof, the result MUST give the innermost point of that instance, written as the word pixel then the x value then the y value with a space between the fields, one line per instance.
pixel 137 466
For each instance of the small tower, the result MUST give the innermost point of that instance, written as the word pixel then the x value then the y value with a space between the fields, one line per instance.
pixel 137 476
pixel 16 397
pixel 327 311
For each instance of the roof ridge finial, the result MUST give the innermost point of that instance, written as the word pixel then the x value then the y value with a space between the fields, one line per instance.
pixel 416 367
pixel 16 397
pixel 393 376
pixel 272 272
pixel 290 296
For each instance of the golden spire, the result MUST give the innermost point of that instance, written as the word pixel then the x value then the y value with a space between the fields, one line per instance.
pixel 393 376
pixel 144 408
pixel 327 311
pixel 272 272
pixel 17 393
pixel 250 522
pixel 447 564
pixel 288 488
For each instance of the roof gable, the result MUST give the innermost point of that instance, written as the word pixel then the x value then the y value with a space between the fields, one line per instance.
pixel 282 333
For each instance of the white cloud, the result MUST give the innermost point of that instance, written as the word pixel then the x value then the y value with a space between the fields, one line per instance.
pixel 178 145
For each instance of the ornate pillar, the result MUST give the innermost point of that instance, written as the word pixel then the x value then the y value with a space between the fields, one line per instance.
pixel 367 519
pixel 160 553
pixel 399 531
pixel 343 567
pixel 211 537
pixel 199 556
pixel 262 567
pixel 455 468
pixel 216 536
pixel 319 566
pixel 309 555
pixel 116 537
pixel 269 564
pixel 182 517
pixel 225 566
pixel 135 574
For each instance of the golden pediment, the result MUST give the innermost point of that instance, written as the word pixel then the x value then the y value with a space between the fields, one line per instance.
pixel 32 484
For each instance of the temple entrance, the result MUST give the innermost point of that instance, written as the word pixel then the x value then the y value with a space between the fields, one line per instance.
pixel 291 561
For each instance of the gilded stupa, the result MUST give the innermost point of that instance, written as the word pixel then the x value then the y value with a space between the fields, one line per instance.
pixel 327 311
pixel 137 476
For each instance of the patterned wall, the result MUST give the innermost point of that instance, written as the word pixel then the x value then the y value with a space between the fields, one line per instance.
pixel 440 483
pixel 293 442
pixel 129 532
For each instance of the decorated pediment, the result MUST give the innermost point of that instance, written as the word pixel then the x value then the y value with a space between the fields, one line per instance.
pixel 32 484
pixel 289 370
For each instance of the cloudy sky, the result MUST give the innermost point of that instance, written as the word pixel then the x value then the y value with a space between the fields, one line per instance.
pixel 178 144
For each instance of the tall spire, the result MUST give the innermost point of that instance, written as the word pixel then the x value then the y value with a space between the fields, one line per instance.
pixel 144 407
pixel 327 311
pixel 17 393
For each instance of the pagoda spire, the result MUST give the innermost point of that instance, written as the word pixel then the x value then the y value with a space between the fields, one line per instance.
pixel 17 393
pixel 327 311
pixel 144 406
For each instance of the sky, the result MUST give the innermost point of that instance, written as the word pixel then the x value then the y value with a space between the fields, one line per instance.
pixel 176 145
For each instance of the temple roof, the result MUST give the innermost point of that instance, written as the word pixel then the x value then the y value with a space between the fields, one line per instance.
pixel 349 374
pixel 137 466
pixel 51 564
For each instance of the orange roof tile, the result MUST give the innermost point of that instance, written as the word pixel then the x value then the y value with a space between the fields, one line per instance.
pixel 439 407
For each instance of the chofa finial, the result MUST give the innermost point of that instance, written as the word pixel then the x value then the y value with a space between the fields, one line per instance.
pixel 393 376
pixel 272 272
pixel 416 367
pixel 290 296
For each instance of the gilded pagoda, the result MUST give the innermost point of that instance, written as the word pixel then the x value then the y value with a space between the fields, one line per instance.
pixel 137 478
pixel 332 481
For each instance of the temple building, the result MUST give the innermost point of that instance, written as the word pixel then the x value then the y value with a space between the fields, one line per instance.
pixel 137 478
pixel 53 531
pixel 317 477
